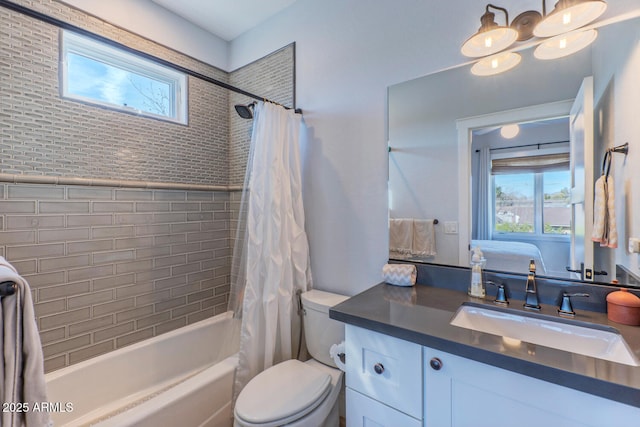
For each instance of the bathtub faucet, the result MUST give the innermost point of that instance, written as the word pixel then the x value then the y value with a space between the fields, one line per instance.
pixel 531 293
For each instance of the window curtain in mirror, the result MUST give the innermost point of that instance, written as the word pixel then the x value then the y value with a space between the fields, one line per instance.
pixel 484 213
pixel 271 253
pixel 531 164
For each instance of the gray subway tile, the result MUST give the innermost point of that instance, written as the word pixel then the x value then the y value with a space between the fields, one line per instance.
pixel 63 207
pixel 113 256
pixel 65 345
pixel 91 351
pixel 117 231
pixel 65 235
pixel 37 192
pixel 63 263
pixel 91 193
pixel 51 307
pixel 23 222
pixel 152 207
pixel 93 298
pixel 113 332
pixel 102 207
pixel 45 279
pixel 28 266
pixel 90 272
pixel 134 195
pixel 89 246
pixel 90 325
pixel 52 335
pixel 63 291
pixel 153 320
pixel 134 337
pixel 50 322
pixel 150 230
pixel 113 307
pixel 31 251
pixel 134 242
pixel 79 220
pixel 134 314
pixel 55 363
pixel 170 326
pixel 111 282
pixel 8 207
pixel 17 237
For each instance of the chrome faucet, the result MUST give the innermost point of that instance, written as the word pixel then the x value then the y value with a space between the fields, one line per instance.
pixel 531 293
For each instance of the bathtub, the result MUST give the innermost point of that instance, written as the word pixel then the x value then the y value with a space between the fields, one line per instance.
pixel 181 378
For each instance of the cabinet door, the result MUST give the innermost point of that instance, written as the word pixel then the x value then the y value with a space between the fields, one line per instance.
pixel 465 393
pixel 363 411
pixel 384 368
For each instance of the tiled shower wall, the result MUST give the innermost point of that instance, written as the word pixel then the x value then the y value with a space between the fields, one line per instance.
pixel 109 265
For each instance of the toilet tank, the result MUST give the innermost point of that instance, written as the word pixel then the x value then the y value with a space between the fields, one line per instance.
pixel 321 332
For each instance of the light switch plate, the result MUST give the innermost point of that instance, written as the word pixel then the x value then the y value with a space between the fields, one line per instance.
pixel 634 245
pixel 450 227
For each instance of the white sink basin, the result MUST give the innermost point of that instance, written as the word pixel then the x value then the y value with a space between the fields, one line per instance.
pixel 597 341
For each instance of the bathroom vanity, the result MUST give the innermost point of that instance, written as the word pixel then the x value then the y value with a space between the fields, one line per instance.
pixel 408 366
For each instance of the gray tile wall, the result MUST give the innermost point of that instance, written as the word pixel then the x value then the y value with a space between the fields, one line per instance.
pixel 110 266
pixel 271 77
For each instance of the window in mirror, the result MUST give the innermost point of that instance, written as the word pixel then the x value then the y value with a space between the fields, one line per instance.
pixel 531 194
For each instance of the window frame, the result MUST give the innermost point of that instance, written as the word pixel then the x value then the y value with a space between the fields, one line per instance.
pixel 110 55
pixel 538 198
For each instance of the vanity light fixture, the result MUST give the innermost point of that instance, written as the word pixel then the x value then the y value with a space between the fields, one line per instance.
pixel 569 15
pixel 496 64
pixel 565 44
pixel 491 38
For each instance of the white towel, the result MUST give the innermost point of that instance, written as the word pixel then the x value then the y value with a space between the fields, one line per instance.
pixel 399 274
pixel 400 236
pixel 22 379
pixel 605 229
pixel 424 238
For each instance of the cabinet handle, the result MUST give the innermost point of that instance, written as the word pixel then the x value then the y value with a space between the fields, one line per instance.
pixel 436 363
pixel 379 368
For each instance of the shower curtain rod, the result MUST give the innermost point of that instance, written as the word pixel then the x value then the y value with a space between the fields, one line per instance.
pixel 66 26
pixel 539 144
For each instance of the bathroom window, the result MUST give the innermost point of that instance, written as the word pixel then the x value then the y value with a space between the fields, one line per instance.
pixel 104 75
pixel 531 195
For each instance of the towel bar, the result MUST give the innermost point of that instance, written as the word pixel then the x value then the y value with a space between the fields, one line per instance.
pixel 7 288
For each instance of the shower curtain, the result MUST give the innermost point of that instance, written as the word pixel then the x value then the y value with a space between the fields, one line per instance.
pixel 271 254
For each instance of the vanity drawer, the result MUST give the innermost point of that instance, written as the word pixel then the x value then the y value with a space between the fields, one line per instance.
pixel 384 368
pixel 363 411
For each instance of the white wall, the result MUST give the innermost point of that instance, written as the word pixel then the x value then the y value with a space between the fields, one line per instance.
pixel 617 95
pixel 154 22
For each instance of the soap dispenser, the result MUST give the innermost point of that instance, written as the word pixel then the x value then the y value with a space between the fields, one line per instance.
pixel 476 287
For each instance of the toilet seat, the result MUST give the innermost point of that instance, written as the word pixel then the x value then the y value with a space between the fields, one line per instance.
pixel 282 394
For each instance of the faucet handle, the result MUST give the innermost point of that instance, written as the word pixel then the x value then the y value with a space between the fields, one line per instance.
pixel 566 308
pixel 501 295
pixel 532 266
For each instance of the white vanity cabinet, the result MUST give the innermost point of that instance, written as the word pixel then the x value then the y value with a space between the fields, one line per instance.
pixel 395 383
pixel 383 379
pixel 459 392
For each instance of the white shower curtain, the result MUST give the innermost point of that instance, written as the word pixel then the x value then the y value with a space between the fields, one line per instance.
pixel 273 262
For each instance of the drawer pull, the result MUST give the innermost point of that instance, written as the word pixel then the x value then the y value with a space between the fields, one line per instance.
pixel 379 368
pixel 436 363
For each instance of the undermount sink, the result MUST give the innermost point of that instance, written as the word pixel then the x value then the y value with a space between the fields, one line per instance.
pixel 599 341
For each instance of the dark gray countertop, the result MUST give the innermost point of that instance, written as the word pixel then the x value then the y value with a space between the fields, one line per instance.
pixel 421 314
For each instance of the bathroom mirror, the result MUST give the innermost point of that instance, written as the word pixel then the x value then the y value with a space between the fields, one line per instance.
pixel 430 170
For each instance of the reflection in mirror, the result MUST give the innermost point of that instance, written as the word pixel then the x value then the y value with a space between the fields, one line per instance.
pixel 432 176
pixel 520 197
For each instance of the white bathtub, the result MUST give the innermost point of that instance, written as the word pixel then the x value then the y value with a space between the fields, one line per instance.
pixel 182 378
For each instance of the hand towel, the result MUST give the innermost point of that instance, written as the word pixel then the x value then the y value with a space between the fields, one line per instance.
pixel 22 379
pixel 424 238
pixel 605 229
pixel 400 237
pixel 399 274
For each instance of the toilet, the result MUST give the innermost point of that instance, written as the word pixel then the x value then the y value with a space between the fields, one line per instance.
pixel 294 393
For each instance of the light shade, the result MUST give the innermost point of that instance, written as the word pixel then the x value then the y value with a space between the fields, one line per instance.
pixel 490 38
pixel 565 44
pixel 569 15
pixel 496 64
pixel 510 131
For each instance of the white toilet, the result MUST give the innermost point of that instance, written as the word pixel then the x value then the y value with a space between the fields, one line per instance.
pixel 295 393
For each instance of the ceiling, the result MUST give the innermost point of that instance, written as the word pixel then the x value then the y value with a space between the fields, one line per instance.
pixel 224 18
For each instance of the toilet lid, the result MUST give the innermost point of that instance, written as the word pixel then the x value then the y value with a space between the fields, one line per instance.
pixel 282 394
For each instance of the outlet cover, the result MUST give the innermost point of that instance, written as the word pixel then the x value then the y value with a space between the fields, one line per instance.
pixel 450 227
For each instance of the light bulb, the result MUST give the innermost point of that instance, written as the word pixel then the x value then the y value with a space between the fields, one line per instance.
pixel 563 44
pixel 566 18
pixel 488 42
pixel 494 63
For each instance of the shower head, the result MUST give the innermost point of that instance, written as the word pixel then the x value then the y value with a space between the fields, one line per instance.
pixel 245 111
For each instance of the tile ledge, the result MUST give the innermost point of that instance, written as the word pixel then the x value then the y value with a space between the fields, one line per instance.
pixel 102 182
